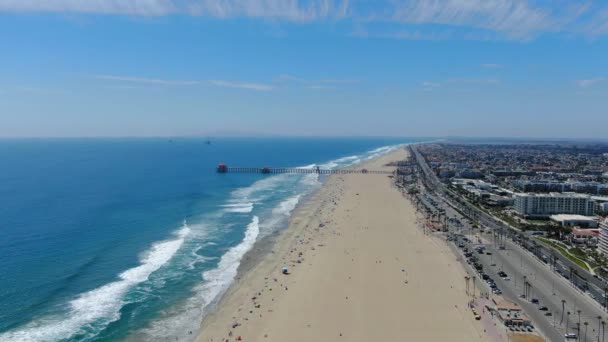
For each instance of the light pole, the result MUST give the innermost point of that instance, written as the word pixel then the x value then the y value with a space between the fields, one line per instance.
pixel 567 320
pixel 563 305
pixel 603 330
pixel 474 286
pixel 599 321
pixel 586 326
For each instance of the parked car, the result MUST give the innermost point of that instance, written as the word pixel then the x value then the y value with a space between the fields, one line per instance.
pixel 543 308
pixel 534 300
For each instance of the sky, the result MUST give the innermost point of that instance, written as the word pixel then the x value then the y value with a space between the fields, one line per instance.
pixel 479 68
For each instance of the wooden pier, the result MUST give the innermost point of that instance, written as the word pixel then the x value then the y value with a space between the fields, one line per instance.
pixel 222 168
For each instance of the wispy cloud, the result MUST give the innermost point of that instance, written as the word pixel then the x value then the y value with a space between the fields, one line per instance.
pixel 431 85
pixel 293 10
pixel 413 19
pixel 492 66
pixel 516 18
pixel 128 7
pixel 428 85
pixel 318 87
pixel 251 86
pixel 164 82
pixel 146 80
pixel 590 82
pixel 284 78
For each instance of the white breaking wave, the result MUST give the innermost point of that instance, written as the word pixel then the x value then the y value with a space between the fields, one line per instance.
pixel 215 283
pixel 381 151
pixel 347 159
pixel 308 167
pixel 239 208
pixel 287 206
pixel 265 184
pixel 102 305
pixel 329 165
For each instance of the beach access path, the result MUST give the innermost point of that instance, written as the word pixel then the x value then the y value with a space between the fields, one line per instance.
pixel 359 270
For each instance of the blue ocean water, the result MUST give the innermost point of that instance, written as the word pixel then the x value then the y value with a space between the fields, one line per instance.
pixel 131 239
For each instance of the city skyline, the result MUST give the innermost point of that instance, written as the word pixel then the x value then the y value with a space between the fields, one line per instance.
pixel 506 68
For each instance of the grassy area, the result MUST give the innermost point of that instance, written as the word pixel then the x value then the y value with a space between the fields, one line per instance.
pixel 563 252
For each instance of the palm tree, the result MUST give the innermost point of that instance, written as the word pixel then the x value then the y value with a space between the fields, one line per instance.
pixel 563 305
pixel 599 321
pixel 474 286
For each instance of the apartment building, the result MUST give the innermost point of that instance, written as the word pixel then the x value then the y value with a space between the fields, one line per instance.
pixel 545 205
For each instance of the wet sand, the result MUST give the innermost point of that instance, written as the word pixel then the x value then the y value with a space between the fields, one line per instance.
pixel 360 270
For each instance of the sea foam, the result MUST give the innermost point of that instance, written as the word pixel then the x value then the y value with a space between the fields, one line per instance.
pixel 92 311
pixel 215 282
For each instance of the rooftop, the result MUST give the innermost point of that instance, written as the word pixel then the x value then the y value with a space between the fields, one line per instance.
pixel 568 217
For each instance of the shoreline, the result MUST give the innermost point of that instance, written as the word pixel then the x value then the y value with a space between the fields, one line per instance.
pixel 244 308
pixel 263 248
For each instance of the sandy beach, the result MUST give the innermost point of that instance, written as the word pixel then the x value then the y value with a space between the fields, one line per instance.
pixel 359 270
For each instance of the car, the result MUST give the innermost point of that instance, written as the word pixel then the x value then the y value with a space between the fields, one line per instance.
pixel 543 308
pixel 506 278
pixel 548 314
pixel 534 300
pixel 497 291
pixel 571 336
pixel 488 253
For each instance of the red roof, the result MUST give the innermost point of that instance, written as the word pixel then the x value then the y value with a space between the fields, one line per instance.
pixel 585 232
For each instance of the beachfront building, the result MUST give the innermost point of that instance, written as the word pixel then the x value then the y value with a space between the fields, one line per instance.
pixel 568 220
pixel 603 244
pixel 585 236
pixel 545 205
pixel 510 314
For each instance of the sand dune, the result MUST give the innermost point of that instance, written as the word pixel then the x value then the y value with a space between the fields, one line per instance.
pixel 360 270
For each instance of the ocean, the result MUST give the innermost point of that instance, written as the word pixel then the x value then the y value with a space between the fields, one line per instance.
pixel 131 239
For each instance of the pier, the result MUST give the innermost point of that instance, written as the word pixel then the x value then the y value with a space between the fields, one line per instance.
pixel 223 168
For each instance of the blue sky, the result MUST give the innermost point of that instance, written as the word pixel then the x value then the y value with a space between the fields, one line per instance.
pixel 520 68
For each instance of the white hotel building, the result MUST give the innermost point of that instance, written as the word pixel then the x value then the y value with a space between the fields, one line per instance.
pixel 544 205
pixel 603 245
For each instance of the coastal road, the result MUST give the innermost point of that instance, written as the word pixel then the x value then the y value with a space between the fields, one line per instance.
pixel 579 277
pixel 547 286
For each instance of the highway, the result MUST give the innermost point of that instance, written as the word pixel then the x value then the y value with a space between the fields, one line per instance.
pixel 549 287
pixel 578 276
